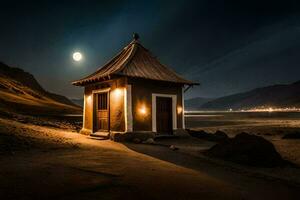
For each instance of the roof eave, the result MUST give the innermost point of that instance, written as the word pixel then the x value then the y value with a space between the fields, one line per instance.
pixel 184 82
pixel 193 83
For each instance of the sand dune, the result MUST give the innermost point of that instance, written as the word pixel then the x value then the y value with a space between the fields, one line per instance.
pixel 21 93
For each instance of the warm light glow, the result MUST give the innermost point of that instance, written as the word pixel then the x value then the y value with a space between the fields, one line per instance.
pixel 270 109
pixel 89 98
pixel 117 92
pixel 142 110
pixel 179 110
pixel 77 56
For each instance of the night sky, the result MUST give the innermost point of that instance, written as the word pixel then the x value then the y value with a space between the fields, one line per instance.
pixel 228 46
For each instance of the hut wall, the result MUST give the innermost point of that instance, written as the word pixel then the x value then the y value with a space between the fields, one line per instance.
pixel 142 91
pixel 116 105
pixel 117 114
pixel 88 110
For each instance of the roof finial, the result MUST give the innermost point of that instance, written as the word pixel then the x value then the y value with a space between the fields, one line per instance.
pixel 136 36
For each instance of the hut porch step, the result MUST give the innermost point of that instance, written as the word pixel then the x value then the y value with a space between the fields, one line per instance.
pixel 103 135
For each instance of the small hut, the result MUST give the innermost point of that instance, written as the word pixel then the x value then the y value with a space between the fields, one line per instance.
pixel 133 92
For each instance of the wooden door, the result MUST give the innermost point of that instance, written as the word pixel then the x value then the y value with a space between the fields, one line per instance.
pixel 164 123
pixel 103 112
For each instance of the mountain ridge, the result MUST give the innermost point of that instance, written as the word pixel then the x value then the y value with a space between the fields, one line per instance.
pixel 195 103
pixel 21 92
pixel 279 95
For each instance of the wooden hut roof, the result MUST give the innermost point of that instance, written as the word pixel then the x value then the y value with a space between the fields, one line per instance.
pixel 134 61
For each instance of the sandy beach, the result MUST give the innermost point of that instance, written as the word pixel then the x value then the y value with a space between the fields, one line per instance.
pixel 62 164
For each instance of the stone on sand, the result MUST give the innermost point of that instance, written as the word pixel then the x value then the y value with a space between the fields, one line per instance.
pixel 137 140
pixel 131 136
pixel 149 141
pixel 249 150
pixel 220 135
pixel 174 148
pixel 216 137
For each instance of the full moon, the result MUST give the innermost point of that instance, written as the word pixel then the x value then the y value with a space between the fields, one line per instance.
pixel 77 56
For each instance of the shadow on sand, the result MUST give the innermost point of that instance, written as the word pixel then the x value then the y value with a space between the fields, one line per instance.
pixel 162 152
pixel 232 173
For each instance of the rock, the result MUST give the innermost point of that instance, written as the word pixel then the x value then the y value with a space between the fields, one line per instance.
pixel 198 134
pixel 181 133
pixel 172 147
pixel 293 135
pixel 149 141
pixel 85 131
pixel 117 137
pixel 136 140
pixel 130 136
pixel 247 149
pixel 218 136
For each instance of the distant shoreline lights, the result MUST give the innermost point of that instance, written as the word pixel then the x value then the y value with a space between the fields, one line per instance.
pixel 271 109
pixel 260 109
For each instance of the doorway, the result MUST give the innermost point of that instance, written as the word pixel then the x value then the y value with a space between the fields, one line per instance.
pixel 102 111
pixel 164 115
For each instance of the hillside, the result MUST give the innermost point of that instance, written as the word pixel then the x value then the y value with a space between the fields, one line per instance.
pixel 78 102
pixel 196 103
pixel 272 96
pixel 20 92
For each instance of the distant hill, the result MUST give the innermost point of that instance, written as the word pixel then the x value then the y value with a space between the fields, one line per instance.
pixel 196 103
pixel 275 96
pixel 20 92
pixel 78 102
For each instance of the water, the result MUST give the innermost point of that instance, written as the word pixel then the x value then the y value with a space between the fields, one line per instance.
pixel 214 119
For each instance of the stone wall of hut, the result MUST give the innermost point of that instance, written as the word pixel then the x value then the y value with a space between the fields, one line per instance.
pixel 141 96
pixel 142 91
pixel 116 105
